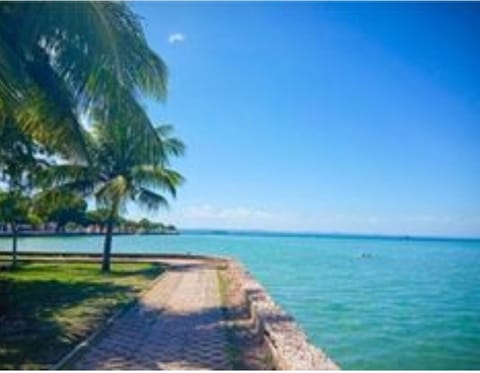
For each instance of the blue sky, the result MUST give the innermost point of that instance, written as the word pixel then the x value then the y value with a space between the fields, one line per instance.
pixel 328 117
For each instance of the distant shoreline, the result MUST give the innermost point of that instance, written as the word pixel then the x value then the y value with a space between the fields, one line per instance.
pixel 73 234
pixel 266 233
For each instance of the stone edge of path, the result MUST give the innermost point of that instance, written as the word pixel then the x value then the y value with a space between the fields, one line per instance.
pixel 288 344
pixel 75 353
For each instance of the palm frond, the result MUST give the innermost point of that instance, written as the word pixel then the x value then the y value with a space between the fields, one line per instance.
pixel 61 59
pixel 107 38
pixel 115 190
pixel 157 177
pixel 171 145
pixel 151 200
pixel 65 175
pixel 12 70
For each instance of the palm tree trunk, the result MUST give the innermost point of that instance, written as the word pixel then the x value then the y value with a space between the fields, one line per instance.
pixel 14 245
pixel 107 247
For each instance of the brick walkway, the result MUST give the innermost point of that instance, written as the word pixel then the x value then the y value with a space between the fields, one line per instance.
pixel 176 325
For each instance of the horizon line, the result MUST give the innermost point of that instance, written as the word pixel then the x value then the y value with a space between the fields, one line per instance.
pixel 334 234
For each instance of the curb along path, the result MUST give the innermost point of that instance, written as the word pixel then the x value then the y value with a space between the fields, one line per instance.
pixel 177 324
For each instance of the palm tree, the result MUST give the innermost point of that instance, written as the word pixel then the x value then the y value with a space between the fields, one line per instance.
pixel 122 169
pixel 59 61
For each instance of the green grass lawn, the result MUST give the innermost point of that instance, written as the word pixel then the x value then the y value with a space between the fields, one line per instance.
pixel 47 308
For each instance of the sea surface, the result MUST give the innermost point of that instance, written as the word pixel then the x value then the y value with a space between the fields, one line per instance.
pixel 370 303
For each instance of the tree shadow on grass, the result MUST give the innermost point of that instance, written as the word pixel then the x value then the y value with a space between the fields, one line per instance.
pixel 150 273
pixel 41 320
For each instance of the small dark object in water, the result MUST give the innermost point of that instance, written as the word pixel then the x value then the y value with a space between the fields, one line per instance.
pixel 366 255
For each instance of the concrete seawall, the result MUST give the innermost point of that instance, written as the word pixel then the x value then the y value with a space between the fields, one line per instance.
pixel 288 344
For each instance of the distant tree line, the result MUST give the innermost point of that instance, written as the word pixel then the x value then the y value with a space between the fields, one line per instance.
pixel 66 213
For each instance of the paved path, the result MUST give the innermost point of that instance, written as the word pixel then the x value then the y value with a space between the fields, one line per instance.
pixel 176 325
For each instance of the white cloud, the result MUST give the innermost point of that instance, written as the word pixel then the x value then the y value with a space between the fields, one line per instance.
pixel 176 37
pixel 207 211
pixel 237 217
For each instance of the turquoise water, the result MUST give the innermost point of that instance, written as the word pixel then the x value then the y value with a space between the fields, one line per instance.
pixel 411 304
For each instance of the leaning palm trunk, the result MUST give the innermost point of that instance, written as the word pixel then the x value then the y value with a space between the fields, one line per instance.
pixel 14 245
pixel 107 247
